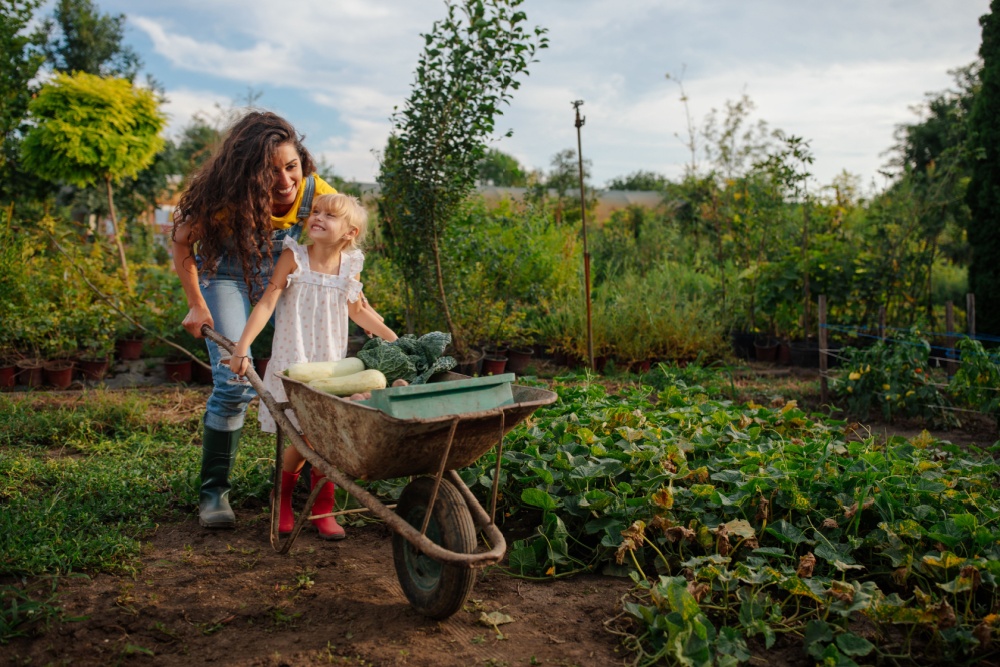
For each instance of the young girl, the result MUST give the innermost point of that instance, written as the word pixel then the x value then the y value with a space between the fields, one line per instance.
pixel 314 288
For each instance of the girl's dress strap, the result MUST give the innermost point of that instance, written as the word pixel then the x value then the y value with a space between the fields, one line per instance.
pixel 301 256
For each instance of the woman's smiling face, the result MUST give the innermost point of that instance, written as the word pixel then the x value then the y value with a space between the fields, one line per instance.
pixel 287 165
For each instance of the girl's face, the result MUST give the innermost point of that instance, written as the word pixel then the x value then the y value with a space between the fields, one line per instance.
pixel 287 166
pixel 325 227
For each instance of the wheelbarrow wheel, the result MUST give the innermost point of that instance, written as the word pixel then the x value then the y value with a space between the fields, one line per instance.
pixel 435 589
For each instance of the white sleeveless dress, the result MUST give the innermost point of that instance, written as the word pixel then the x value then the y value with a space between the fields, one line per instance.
pixel 310 320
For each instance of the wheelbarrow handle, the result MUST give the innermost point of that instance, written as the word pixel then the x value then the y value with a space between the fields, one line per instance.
pixel 228 345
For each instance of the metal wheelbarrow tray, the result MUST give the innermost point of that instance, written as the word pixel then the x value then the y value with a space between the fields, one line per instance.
pixel 436 519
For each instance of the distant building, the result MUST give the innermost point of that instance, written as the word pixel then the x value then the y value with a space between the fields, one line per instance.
pixel 608 201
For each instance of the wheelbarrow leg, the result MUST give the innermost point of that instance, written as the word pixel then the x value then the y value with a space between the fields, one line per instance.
pixel 437 478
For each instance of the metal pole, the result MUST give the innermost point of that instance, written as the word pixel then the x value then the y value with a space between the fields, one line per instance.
pixel 583 221
pixel 824 391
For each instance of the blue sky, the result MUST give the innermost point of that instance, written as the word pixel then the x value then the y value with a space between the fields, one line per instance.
pixel 842 75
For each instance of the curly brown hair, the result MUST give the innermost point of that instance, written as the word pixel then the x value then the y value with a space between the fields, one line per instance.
pixel 228 199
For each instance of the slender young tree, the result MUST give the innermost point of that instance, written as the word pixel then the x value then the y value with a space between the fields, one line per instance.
pixel 984 188
pixel 469 68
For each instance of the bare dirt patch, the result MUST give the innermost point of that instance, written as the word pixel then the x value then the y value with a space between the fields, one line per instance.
pixel 226 598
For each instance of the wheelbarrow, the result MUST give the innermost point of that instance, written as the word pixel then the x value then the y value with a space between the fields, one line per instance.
pixel 437 517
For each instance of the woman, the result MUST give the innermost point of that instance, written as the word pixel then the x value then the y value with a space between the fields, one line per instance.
pixel 228 232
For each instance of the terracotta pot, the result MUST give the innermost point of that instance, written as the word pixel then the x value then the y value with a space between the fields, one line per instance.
pixel 495 351
pixel 92 369
pixel 804 353
pixel 742 342
pixel 58 373
pixel 30 372
pixel 642 366
pixel 494 365
pixel 518 359
pixel 8 374
pixel 129 349
pixel 472 364
pixel 766 350
pixel 177 370
pixel 784 353
pixel 260 365
pixel 200 374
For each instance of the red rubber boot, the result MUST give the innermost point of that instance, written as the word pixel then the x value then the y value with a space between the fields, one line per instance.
pixel 286 515
pixel 328 527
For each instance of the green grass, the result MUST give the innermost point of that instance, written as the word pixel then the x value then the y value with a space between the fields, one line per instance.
pixel 82 483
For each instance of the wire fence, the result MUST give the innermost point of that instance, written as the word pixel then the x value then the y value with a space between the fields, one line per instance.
pixel 939 353
pixel 944 349
pixel 951 356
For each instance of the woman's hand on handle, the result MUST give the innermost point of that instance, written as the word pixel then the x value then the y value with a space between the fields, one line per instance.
pixel 196 317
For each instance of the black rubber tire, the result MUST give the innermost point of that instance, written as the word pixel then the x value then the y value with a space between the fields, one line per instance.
pixel 435 589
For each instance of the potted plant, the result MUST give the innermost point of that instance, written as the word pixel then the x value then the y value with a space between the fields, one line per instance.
pixel 8 367
pixel 519 347
pixel 95 331
pixel 58 347
pixel 128 344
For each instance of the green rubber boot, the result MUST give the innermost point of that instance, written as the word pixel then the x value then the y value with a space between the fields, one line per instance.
pixel 218 451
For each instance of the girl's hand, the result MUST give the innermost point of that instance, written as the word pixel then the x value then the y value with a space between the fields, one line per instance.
pixel 195 318
pixel 239 363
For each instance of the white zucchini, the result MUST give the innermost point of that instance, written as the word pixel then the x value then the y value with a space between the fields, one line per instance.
pixel 315 370
pixel 355 383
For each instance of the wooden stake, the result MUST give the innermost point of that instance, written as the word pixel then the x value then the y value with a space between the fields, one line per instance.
pixel 949 323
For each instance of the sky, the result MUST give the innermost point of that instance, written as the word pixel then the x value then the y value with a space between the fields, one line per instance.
pixel 842 75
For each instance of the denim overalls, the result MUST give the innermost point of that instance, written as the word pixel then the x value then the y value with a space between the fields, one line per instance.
pixel 227 299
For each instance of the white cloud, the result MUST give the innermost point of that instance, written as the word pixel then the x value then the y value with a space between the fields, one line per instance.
pixel 841 75
pixel 261 63
pixel 353 157
pixel 184 104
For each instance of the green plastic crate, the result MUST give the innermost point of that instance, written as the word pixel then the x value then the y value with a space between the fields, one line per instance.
pixel 437 399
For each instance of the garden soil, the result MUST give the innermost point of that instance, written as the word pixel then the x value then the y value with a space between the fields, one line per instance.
pixel 226 598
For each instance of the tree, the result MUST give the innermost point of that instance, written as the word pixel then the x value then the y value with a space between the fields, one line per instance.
pixel 647 181
pixel 564 178
pixel 733 144
pixel 469 68
pixel 20 59
pixel 88 129
pixel 88 41
pixel 500 169
pixel 935 165
pixel 984 188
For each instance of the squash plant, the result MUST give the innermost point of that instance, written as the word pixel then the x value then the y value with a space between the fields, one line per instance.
pixel 743 522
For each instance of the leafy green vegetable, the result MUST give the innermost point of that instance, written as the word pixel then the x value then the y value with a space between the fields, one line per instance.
pixel 408 357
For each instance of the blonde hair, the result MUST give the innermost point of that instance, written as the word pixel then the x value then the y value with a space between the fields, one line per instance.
pixel 348 208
